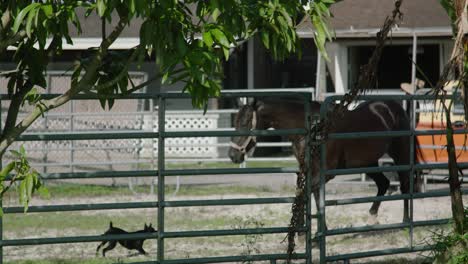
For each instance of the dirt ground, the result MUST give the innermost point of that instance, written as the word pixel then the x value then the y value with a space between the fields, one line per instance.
pixel 224 217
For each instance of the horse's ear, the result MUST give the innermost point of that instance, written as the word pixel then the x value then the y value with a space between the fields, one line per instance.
pixel 258 105
pixel 253 101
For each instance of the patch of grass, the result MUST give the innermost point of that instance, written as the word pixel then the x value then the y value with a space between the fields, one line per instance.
pixel 69 190
pixel 220 189
pixel 88 223
pixel 215 165
pixel 451 247
pixel 72 261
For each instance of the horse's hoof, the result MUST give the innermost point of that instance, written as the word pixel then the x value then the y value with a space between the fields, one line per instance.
pixel 301 238
pixel 372 220
pixel 373 211
pixel 314 243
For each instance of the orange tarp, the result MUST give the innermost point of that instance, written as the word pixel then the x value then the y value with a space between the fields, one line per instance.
pixel 439 153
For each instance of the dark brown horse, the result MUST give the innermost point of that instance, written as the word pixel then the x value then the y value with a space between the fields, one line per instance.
pixel 341 153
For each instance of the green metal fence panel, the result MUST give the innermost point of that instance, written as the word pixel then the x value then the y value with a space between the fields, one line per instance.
pixel 161 235
pixel 412 166
pixel 162 172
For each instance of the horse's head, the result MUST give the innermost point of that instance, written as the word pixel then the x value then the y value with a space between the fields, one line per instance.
pixel 246 120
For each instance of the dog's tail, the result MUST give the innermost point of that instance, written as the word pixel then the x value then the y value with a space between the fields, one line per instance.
pixel 110 224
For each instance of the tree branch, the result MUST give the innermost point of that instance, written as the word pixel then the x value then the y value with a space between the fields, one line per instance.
pixel 86 82
pixel 143 84
pixel 121 73
pixel 15 105
pixel 8 41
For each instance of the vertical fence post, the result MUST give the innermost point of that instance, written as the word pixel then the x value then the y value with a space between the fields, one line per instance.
pixel 412 161
pixel 1 200
pixel 161 184
pixel 152 142
pixel 72 142
pixel 321 213
pixel 308 176
pixel 411 105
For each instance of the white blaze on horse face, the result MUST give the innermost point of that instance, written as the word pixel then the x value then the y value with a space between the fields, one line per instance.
pixel 373 107
pixel 243 148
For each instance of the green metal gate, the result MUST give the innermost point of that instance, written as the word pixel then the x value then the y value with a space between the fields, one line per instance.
pixel 322 233
pixel 161 204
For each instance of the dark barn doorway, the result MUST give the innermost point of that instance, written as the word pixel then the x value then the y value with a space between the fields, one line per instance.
pixel 396 63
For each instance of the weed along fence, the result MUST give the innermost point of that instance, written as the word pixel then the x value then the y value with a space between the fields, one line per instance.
pixel 412 167
pixel 162 204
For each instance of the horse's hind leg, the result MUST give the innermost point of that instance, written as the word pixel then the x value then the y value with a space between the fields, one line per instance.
pixel 404 187
pixel 382 186
pixel 399 152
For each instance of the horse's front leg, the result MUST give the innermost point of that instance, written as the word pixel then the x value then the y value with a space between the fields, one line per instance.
pixel 317 204
pixel 406 217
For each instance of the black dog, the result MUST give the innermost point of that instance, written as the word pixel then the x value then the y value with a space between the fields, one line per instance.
pixel 129 244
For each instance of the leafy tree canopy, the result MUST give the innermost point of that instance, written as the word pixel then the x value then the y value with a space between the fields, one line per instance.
pixel 189 40
pixel 196 35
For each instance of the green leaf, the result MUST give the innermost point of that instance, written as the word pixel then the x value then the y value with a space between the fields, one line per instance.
pixel 48 11
pixel 265 39
pixel 208 39
pixel 110 103
pixel 19 19
pixel 6 170
pixel 103 103
pixel 123 84
pixel 165 77
pixel 29 186
pixel 181 45
pixel 132 6
pixel 180 77
pixel 23 195
pixel 215 14
pixel 101 7
pixel 220 37
pixel 22 150
pixel 226 53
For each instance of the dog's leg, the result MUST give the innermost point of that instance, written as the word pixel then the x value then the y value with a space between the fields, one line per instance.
pixel 142 251
pixel 111 246
pixel 100 245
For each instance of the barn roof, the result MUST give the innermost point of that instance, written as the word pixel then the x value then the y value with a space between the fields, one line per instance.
pixel 363 18
pixel 351 19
